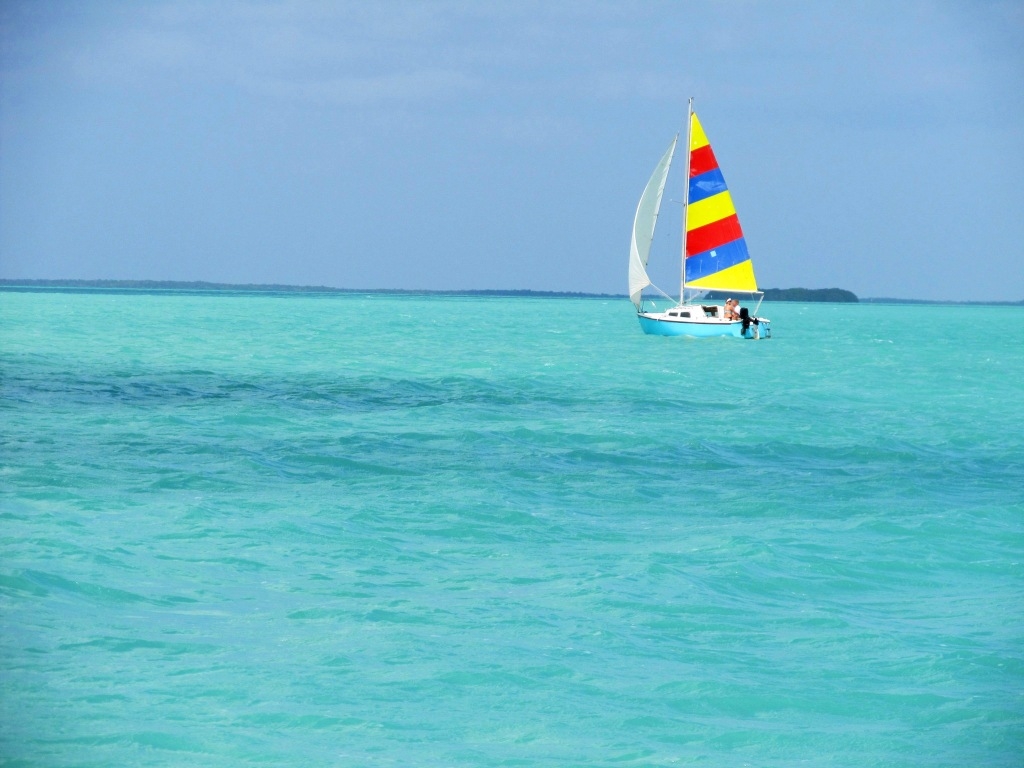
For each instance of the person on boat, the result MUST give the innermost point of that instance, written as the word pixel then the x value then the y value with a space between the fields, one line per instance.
pixel 731 309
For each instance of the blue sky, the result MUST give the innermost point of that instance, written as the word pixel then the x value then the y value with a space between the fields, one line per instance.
pixel 874 146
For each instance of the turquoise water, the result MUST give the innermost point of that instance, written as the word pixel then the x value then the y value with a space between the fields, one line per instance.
pixel 419 531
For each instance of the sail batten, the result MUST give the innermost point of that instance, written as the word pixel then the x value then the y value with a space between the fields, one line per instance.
pixel 706 185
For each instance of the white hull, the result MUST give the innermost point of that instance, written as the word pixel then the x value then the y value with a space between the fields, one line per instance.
pixel 702 321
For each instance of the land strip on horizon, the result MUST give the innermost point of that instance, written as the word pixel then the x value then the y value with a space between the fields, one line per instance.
pixel 831 295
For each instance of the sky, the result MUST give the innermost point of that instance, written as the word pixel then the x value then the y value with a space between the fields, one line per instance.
pixel 876 146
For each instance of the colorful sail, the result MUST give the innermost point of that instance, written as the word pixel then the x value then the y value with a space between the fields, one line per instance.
pixel 716 251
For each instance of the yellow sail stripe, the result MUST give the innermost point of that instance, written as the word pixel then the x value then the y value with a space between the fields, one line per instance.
pixel 739 277
pixel 709 210
pixel 697 137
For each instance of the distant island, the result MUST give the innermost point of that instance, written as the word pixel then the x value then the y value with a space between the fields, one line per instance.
pixel 834 295
pixel 198 286
pixel 831 295
pixel 770 294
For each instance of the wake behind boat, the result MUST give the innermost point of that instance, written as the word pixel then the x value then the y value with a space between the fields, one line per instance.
pixel 714 253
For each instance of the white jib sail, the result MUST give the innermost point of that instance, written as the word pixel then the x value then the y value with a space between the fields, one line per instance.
pixel 643 225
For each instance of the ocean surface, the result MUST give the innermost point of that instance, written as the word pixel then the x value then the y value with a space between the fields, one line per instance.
pixel 315 530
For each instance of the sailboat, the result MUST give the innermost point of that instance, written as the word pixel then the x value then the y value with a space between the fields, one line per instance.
pixel 714 252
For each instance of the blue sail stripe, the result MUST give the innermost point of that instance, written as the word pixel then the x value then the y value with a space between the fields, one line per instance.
pixel 706 185
pixel 709 262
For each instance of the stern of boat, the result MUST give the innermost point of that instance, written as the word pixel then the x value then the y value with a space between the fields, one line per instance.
pixel 759 328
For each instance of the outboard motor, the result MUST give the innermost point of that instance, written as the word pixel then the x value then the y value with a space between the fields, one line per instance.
pixel 747 319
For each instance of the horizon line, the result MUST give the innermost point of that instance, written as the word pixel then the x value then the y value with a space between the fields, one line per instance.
pixel 205 285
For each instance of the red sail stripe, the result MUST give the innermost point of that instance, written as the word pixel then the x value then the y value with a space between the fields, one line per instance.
pixel 713 235
pixel 702 160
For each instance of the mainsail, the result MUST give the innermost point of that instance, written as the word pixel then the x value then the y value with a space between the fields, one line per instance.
pixel 643 226
pixel 716 251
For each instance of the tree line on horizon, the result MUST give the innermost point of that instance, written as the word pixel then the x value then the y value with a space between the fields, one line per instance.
pixel 771 294
pixel 829 295
pixel 833 295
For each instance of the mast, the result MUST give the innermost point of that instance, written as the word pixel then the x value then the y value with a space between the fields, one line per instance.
pixel 686 199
